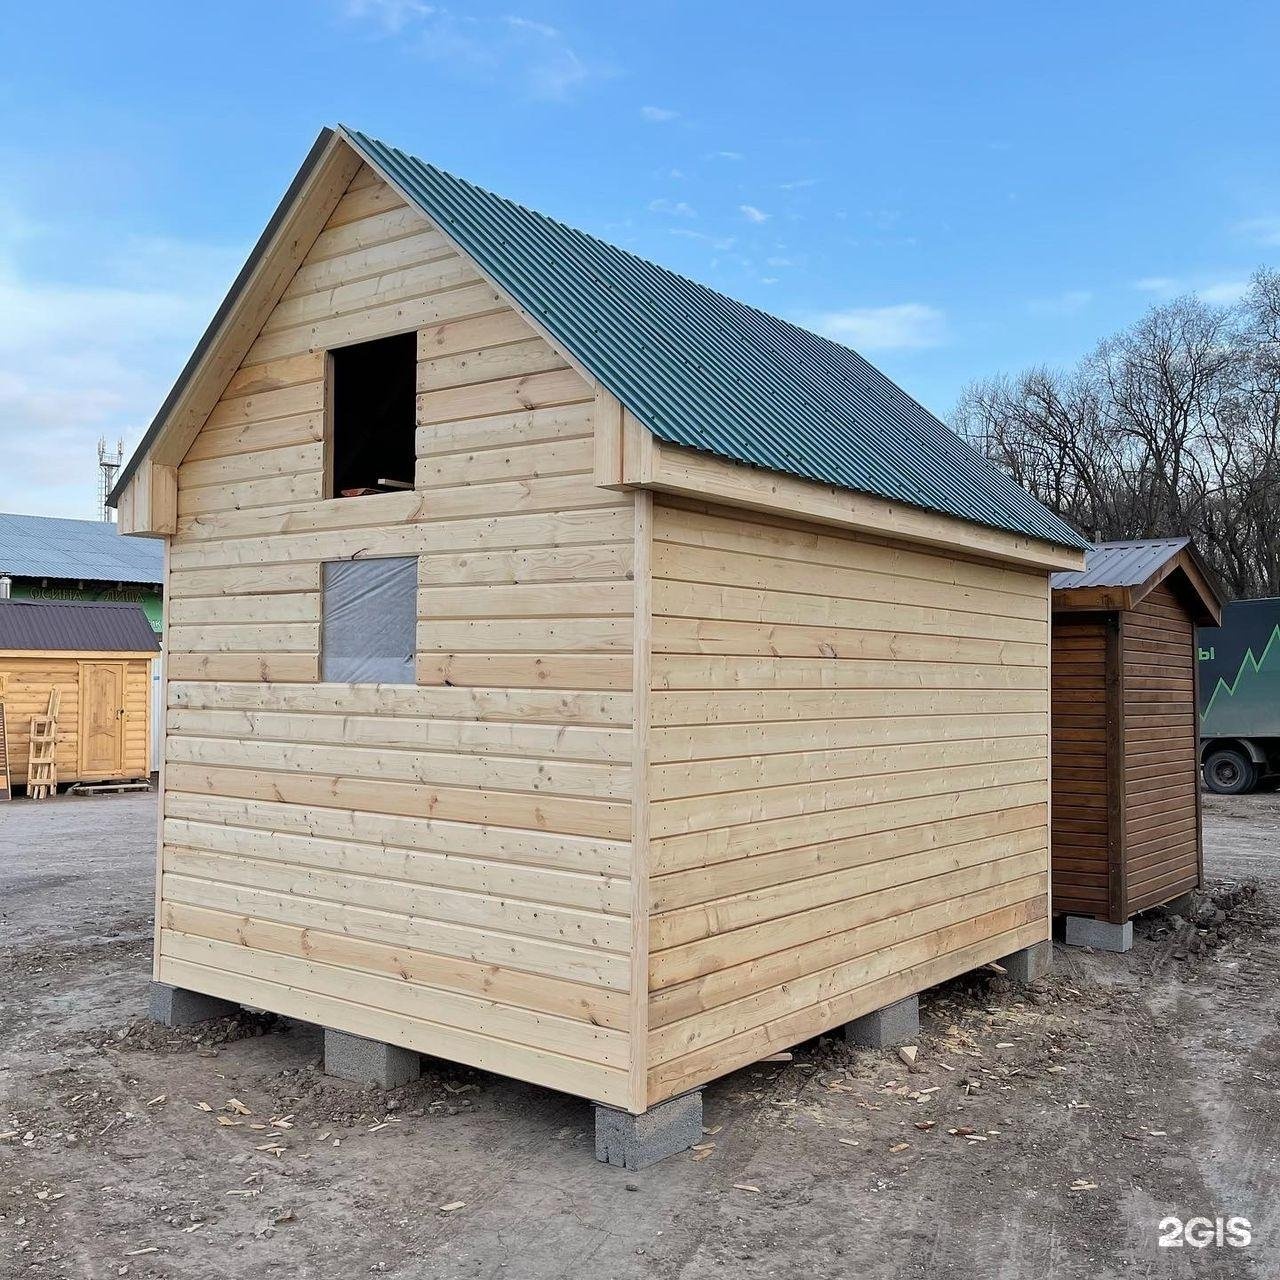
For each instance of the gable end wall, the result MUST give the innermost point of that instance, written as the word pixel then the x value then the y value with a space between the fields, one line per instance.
pixel 445 866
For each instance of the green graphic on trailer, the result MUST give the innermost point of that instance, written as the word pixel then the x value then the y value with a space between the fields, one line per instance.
pixel 1246 707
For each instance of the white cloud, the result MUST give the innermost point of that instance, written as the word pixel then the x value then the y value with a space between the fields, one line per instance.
pixel 1221 293
pixel 798 184
pixel 719 243
pixel 1069 302
pixel 677 208
pixel 901 327
pixel 781 262
pixel 390 16
pixel 658 115
pixel 534 55
pixel 82 359
pixel 724 155
pixel 752 214
pixel 1260 230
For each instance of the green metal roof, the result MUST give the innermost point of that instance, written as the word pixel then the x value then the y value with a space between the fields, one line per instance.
pixel 702 370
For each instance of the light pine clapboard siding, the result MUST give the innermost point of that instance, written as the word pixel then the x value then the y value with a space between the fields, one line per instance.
pixel 25 685
pixel 445 866
pixel 848 780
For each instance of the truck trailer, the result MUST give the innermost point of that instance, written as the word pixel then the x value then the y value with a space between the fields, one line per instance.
pixel 1239 680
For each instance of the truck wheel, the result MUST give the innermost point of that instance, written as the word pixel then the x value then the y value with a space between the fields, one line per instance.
pixel 1229 772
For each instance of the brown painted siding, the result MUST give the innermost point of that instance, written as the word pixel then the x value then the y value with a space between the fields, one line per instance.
pixel 1162 829
pixel 1081 832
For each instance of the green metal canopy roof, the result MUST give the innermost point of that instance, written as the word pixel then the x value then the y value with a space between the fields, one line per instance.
pixel 701 370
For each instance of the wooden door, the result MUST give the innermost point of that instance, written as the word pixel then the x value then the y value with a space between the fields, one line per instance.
pixel 101 719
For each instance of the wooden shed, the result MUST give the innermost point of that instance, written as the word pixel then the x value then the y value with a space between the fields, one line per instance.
pixel 1126 775
pixel 571 671
pixel 97 658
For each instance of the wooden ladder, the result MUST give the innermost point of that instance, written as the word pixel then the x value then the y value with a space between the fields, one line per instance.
pixel 6 783
pixel 42 767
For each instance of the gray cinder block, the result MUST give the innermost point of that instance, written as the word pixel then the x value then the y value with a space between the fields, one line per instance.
pixel 364 1061
pixel 1030 963
pixel 1101 935
pixel 1184 904
pixel 635 1142
pixel 178 1007
pixel 894 1024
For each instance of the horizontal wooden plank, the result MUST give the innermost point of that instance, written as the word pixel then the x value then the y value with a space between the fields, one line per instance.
pixel 765 871
pixel 567 1074
pixel 539 993
pixel 541 849
pixel 294 606
pixel 743 604
pixel 697 671
pixel 590 966
pixel 507 395
pixel 756 571
pixel 443 768
pixel 558 742
pixel 688 1070
pixel 610 820
pixel 784 639
pixel 387 530
pixel 526 670
pixel 550 706
pixel 749 774
pixel 258 668
pixel 425 904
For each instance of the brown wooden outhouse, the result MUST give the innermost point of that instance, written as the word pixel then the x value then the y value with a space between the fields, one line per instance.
pixel 1126 791
pixel 96 661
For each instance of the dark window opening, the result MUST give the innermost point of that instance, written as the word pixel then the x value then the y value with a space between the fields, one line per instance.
pixel 373 403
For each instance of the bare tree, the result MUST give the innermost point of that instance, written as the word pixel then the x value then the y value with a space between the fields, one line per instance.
pixel 1170 427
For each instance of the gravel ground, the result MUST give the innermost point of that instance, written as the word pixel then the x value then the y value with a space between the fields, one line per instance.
pixel 1045 1133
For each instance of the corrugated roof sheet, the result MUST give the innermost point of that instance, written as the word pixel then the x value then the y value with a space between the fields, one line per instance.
pixel 78 626
pixel 83 550
pixel 1120 564
pixel 702 370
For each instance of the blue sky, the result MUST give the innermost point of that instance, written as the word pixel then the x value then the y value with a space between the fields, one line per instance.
pixel 954 190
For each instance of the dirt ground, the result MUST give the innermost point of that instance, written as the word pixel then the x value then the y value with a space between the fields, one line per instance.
pixel 1046 1133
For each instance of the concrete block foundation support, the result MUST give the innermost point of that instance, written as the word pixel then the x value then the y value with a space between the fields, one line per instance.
pixel 894 1024
pixel 178 1007
pixel 1101 935
pixel 1030 963
pixel 364 1061
pixel 1183 905
pixel 635 1142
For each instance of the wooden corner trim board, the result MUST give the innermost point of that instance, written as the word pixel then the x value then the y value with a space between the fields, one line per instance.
pixel 625 448
pixel 641 859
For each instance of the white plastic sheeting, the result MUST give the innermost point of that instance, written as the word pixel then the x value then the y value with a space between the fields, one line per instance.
pixel 369 621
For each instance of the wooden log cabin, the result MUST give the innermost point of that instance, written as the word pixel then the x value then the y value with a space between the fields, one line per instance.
pixel 96 659
pixel 1126 761
pixel 574 672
